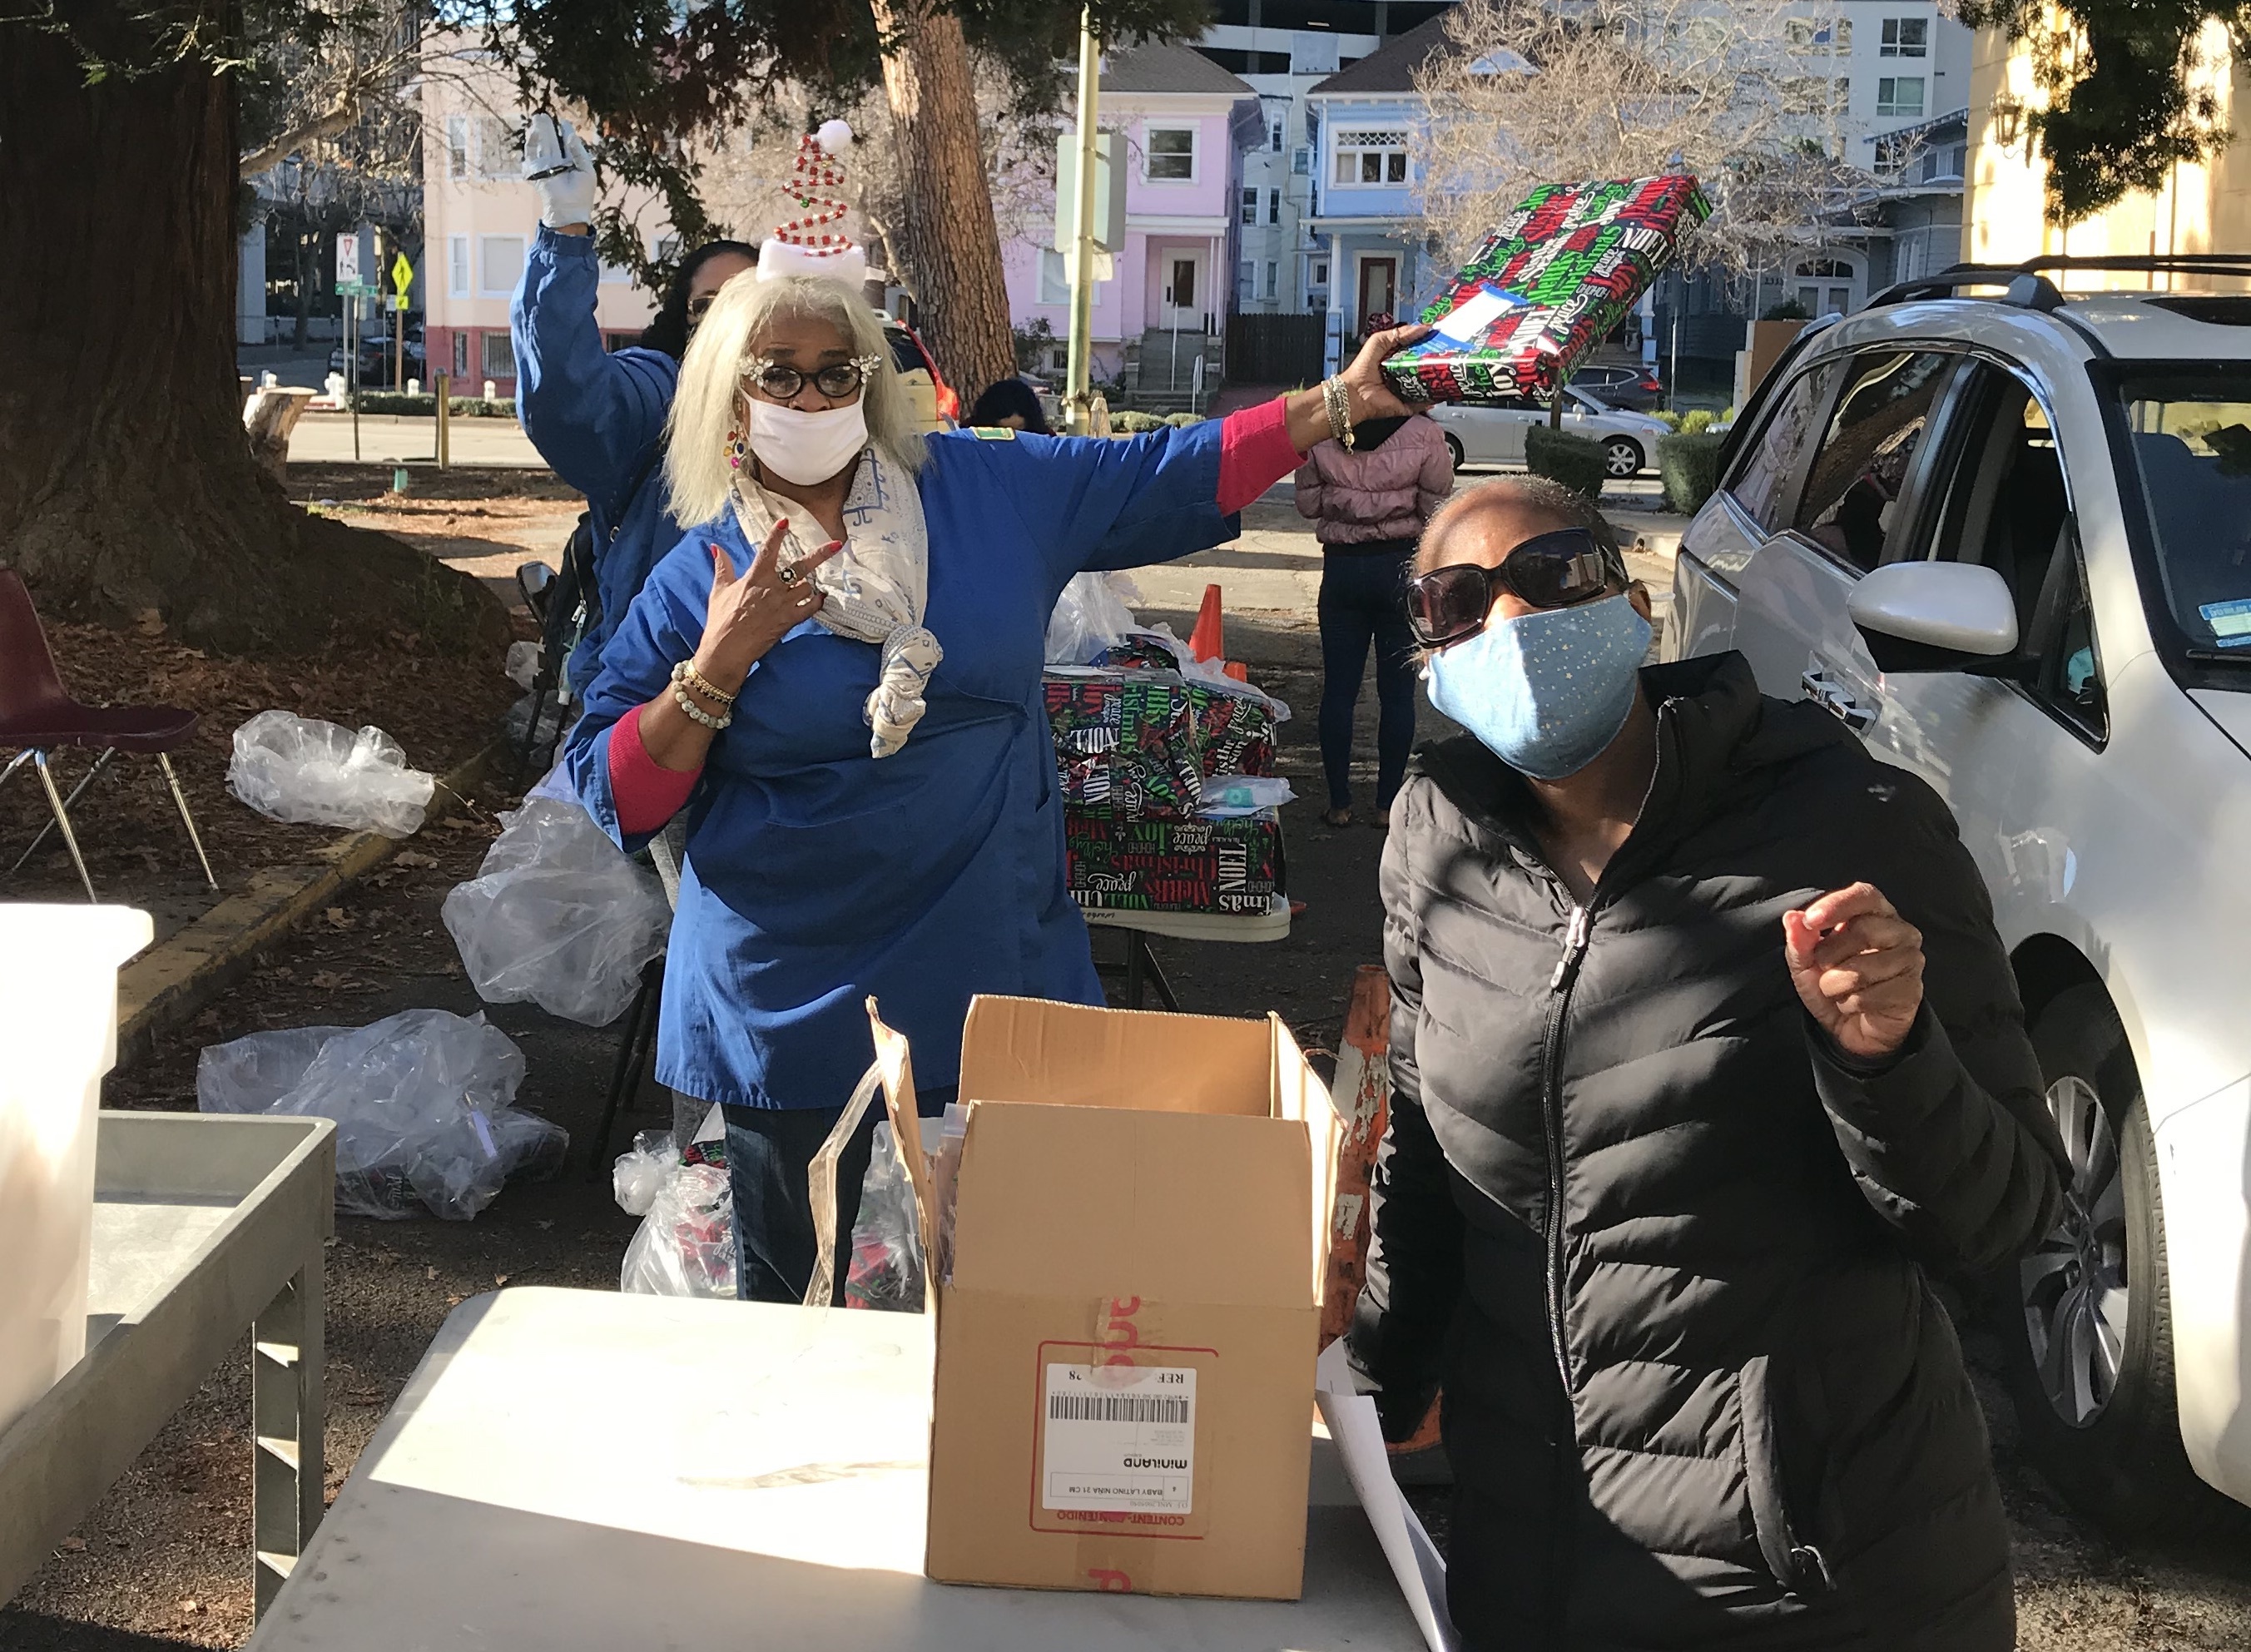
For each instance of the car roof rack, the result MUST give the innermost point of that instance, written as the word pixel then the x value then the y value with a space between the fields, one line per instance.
pixel 2027 284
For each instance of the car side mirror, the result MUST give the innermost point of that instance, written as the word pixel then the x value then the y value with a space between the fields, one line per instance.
pixel 1937 616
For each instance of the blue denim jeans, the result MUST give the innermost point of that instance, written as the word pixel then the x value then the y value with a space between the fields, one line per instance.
pixel 769 1152
pixel 1363 601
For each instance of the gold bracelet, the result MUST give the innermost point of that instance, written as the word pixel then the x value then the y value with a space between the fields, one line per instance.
pixel 1336 401
pixel 686 674
pixel 695 712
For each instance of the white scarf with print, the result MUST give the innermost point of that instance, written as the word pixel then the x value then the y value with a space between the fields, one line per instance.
pixel 873 590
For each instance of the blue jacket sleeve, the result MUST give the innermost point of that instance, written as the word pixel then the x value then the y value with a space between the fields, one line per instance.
pixel 1095 504
pixel 594 415
pixel 664 624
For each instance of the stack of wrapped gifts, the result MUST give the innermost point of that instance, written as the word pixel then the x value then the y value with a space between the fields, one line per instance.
pixel 1147 758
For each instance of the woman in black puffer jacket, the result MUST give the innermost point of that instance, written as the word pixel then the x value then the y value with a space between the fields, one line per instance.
pixel 1704 1051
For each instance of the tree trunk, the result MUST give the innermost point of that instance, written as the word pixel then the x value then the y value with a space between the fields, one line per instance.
pixel 949 244
pixel 128 489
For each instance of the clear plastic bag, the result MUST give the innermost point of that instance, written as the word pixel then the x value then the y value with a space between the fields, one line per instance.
pixel 1091 614
pixel 886 1270
pixel 686 1244
pixel 299 768
pixel 557 915
pixel 423 1103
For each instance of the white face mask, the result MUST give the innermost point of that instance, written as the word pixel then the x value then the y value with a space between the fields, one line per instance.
pixel 802 447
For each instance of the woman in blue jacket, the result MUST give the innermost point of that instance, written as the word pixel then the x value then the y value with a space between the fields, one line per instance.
pixel 596 415
pixel 836 677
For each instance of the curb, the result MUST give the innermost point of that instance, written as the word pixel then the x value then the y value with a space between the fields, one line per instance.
pixel 174 981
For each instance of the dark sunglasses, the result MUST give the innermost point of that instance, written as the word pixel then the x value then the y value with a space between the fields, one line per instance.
pixel 1557 569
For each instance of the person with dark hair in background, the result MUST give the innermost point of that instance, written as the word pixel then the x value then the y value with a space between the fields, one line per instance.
pixel 1371 501
pixel 1010 404
pixel 596 415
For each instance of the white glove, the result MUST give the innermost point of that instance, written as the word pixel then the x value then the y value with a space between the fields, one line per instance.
pixel 556 164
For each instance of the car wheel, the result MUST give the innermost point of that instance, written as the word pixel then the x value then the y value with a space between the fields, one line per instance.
pixel 2086 1320
pixel 1454 447
pixel 1622 456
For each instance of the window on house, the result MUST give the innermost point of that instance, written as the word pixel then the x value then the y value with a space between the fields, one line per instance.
pixel 1370 158
pixel 616 275
pixel 1171 155
pixel 497 154
pixel 460 354
pixel 1905 38
pixel 1274 138
pixel 499 356
pixel 1273 278
pixel 1273 205
pixel 1250 206
pixel 1900 96
pixel 499 260
pixel 457 146
pixel 1055 277
pixel 1819 34
pixel 1244 274
pixel 457 267
pixel 1322 274
pixel 1301 161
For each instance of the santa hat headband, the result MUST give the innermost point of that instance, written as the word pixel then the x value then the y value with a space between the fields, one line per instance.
pixel 815 243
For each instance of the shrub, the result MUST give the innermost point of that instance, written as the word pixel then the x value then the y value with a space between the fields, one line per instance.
pixel 1788 309
pixel 1577 462
pixel 1695 421
pixel 1182 420
pixel 1688 465
pixel 1133 422
pixel 424 406
pixel 1667 417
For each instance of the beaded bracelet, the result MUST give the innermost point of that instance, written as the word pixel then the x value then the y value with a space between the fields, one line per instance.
pixel 715 723
pixel 686 676
pixel 1336 401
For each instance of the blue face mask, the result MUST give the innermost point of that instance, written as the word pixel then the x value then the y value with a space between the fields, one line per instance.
pixel 1545 691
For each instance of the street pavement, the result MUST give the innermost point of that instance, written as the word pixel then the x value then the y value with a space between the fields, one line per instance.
pixel 389 439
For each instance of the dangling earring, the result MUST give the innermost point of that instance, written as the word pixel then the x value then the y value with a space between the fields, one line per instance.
pixel 737 447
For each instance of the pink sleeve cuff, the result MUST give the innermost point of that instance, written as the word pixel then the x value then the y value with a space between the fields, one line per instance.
pixel 646 793
pixel 1255 453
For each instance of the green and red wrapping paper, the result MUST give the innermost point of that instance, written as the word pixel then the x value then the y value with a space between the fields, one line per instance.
pixel 1545 287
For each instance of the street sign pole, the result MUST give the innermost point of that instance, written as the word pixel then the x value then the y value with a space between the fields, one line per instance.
pixel 1079 412
pixel 351 366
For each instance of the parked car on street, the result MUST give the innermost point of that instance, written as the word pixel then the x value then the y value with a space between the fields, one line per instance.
pixel 377 360
pixel 936 406
pixel 1635 389
pixel 2007 540
pixel 1493 434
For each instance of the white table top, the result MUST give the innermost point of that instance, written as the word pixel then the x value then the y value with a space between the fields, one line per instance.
pixel 1272 925
pixel 576 1470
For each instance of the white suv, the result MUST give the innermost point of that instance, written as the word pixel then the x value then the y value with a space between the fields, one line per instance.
pixel 2008 540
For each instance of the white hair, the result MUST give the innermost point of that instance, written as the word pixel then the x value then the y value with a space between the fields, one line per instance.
pixel 707 405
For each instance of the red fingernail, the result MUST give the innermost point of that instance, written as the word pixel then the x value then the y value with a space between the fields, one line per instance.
pixel 834 544
pixel 784 523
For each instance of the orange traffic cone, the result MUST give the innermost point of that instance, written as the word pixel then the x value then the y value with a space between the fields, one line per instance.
pixel 1208 641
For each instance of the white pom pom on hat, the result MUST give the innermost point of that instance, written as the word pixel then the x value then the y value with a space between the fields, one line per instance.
pixel 816 245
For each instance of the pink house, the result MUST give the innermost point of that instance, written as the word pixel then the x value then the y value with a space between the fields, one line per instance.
pixel 1186 122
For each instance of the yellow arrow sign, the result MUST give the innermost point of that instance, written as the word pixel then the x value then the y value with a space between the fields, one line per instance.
pixel 402 274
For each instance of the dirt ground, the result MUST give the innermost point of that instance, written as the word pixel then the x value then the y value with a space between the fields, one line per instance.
pixel 162 1563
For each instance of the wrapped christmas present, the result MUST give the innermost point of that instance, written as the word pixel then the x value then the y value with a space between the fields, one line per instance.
pixel 1142 742
pixel 1545 287
pixel 1231 866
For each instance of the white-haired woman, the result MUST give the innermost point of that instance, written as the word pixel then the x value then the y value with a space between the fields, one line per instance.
pixel 837 676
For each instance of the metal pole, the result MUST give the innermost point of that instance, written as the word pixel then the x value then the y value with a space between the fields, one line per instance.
pixel 445 417
pixel 351 366
pixel 1078 410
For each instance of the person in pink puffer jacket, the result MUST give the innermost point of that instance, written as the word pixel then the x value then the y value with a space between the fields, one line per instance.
pixel 1370 502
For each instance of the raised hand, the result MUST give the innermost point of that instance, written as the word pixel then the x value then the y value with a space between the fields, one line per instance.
pixel 1371 397
pixel 1858 967
pixel 749 614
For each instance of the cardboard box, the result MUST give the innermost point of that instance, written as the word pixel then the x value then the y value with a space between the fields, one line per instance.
pixel 1230 865
pixel 1127 1326
pixel 1549 284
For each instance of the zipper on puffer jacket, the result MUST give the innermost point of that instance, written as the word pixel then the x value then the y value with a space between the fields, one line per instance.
pixel 1551 1100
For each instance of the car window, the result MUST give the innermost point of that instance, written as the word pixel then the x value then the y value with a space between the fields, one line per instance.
pixel 905 358
pixel 1770 460
pixel 1860 469
pixel 1996 495
pixel 2188 443
pixel 2070 679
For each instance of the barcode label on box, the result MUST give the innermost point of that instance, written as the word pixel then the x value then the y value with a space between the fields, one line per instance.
pixel 1119 1437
